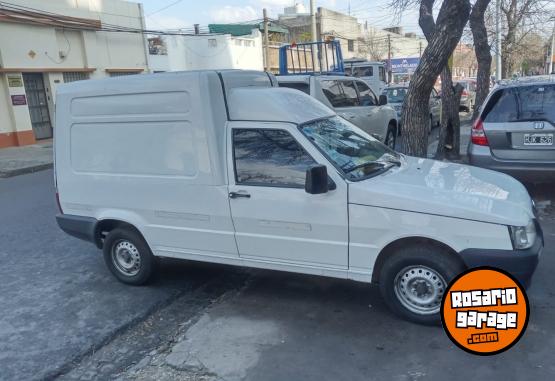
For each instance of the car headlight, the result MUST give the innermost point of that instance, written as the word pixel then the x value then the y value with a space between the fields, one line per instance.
pixel 523 237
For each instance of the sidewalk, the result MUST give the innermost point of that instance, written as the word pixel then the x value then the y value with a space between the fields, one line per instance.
pixel 19 160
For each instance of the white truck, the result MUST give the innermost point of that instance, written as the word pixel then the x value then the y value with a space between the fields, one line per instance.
pixel 373 73
pixel 221 167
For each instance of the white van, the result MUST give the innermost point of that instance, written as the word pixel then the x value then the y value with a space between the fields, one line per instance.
pixel 221 167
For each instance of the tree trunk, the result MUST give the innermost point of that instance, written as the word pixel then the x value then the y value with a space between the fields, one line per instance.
pixel 442 36
pixel 483 53
pixel 450 130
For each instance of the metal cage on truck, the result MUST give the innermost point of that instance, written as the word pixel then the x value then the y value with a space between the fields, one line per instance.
pixel 321 57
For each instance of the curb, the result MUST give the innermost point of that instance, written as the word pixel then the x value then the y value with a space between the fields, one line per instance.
pixel 24 170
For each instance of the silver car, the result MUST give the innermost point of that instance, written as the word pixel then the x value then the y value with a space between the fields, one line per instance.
pixel 515 130
pixel 396 98
pixel 468 96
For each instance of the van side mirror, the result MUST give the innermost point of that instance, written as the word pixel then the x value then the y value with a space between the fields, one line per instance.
pixel 317 180
pixel 383 100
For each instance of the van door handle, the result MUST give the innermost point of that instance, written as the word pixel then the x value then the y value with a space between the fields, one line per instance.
pixel 239 195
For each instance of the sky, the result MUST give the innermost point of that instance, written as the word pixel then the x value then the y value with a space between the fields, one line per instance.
pixel 185 13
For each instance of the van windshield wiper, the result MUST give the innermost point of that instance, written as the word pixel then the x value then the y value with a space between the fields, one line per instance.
pixel 378 166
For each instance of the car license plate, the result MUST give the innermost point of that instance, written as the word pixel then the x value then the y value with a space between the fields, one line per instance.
pixel 538 139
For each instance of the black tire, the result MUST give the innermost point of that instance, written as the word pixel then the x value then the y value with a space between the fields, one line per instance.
pixel 391 136
pixel 440 261
pixel 131 241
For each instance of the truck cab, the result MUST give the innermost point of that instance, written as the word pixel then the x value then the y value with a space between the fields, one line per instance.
pixel 224 167
pixel 373 73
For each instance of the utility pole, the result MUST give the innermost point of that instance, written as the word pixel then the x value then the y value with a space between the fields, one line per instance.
pixel 498 68
pixel 388 58
pixel 314 33
pixel 313 20
pixel 552 51
pixel 266 41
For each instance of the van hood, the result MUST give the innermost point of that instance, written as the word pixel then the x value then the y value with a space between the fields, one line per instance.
pixel 447 189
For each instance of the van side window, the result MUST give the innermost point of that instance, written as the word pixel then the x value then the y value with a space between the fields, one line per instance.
pixel 269 158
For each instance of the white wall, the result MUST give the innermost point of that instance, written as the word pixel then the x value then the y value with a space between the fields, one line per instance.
pixel 210 52
pixel 81 49
pixel 53 50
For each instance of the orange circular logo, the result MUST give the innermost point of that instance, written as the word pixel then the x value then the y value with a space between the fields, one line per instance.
pixel 485 311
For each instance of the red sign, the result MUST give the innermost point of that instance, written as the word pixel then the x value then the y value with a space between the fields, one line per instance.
pixel 19 100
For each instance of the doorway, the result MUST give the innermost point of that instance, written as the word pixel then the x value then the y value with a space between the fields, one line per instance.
pixel 38 105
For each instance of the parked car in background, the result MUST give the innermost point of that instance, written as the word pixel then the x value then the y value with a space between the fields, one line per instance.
pixel 352 99
pixel 468 97
pixel 373 73
pixel 396 98
pixel 515 130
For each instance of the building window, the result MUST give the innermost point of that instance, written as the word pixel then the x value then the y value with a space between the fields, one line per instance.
pixel 238 42
pixel 212 42
pixel 249 43
pixel 71 76
pixel 351 45
pixel 122 73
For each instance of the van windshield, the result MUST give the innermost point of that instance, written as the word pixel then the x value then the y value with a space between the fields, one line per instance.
pixel 352 151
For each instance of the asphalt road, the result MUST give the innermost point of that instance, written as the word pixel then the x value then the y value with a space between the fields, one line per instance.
pixel 58 302
pixel 64 316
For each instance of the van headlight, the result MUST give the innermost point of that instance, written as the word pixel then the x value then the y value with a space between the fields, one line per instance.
pixel 523 237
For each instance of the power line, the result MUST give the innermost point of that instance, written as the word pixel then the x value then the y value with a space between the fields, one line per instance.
pixel 165 7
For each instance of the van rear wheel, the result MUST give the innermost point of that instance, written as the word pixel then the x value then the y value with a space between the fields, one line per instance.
pixel 414 279
pixel 128 256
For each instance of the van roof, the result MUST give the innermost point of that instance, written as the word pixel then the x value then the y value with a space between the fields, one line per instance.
pixel 274 105
pixel 232 78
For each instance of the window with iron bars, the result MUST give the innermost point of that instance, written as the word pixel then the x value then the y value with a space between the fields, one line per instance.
pixel 122 73
pixel 72 76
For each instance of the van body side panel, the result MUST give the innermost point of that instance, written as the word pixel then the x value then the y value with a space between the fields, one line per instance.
pixel 373 228
pixel 140 151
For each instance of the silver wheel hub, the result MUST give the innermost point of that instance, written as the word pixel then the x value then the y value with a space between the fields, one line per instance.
pixel 420 289
pixel 126 258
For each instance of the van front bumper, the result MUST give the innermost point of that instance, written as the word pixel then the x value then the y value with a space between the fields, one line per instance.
pixel 519 263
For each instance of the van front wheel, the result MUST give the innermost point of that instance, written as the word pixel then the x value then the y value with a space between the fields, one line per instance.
pixel 128 256
pixel 414 279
